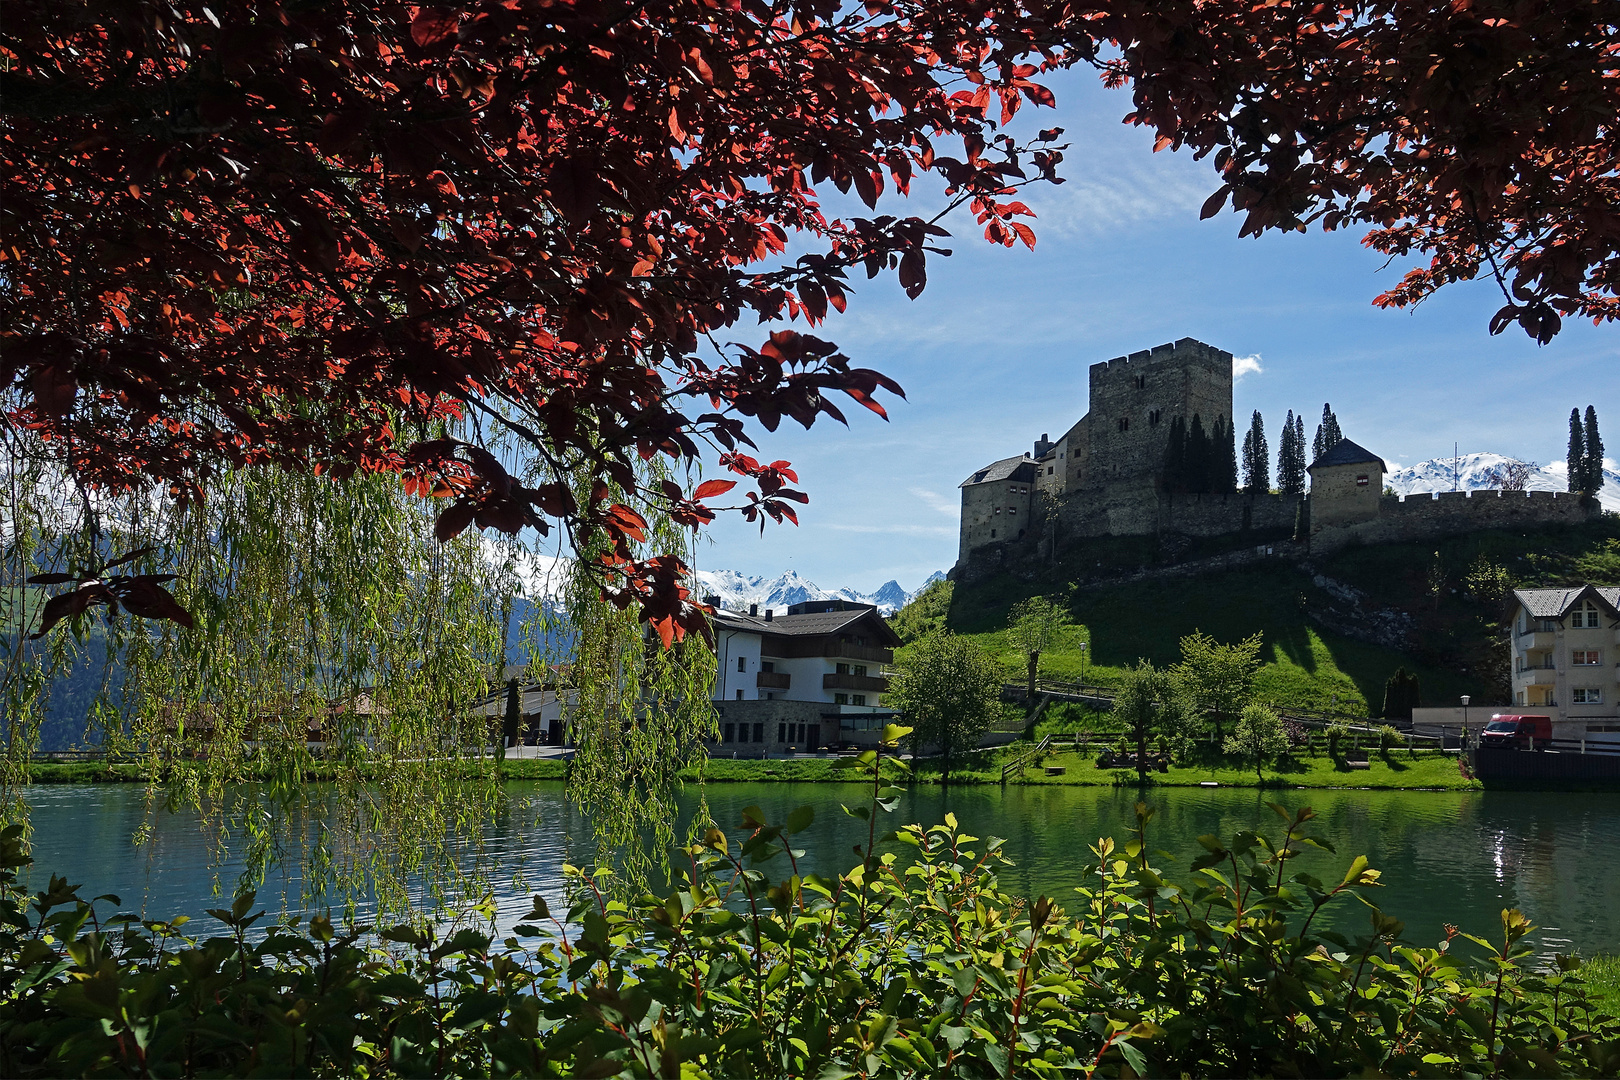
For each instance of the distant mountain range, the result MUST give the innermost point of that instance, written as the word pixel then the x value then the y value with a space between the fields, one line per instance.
pixel 1483 471
pixel 737 590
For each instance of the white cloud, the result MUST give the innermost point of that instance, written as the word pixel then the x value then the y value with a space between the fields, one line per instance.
pixel 936 501
pixel 1246 365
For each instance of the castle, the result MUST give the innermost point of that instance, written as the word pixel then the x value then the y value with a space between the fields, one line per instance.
pixel 1106 476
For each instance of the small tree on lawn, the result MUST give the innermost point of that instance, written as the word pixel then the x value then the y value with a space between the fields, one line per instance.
pixel 1144 704
pixel 948 689
pixel 1214 677
pixel 1035 626
pixel 1258 737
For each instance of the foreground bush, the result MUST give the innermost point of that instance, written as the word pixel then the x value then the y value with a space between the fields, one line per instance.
pixel 913 963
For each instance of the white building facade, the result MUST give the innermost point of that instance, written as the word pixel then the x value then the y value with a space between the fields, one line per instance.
pixel 1565 645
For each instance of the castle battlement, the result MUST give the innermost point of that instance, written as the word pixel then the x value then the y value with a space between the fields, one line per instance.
pixel 1183 353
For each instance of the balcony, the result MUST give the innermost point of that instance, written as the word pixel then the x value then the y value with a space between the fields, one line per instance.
pixel 1535 640
pixel 773 680
pixel 1536 676
pixel 859 652
pixel 854 682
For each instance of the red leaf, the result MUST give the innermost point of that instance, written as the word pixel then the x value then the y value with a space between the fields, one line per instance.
pixel 454 521
pixel 1213 204
pixel 432 25
pixel 710 488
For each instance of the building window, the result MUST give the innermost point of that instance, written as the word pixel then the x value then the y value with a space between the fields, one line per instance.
pixel 842 669
pixel 860 699
pixel 730 732
pixel 1586 657
pixel 992 534
pixel 739 695
pixel 1049 470
pixel 781 733
pixel 860 669
pixel 1141 382
pixel 998 509
pixel 1012 509
pixel 840 699
pixel 742 663
pixel 1587 695
pixel 1518 699
pixel 1124 423
pixel 1361 481
pixel 1591 619
pixel 759 732
pixel 767 666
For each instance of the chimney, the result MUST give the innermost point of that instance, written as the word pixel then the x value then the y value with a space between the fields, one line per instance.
pixel 712 601
pixel 753 609
pixel 768 613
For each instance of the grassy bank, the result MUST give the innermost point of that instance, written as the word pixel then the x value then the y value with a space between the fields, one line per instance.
pixel 1396 771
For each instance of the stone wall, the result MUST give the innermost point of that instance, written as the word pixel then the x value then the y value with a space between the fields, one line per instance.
pixel 995 513
pixel 1424 517
pixel 1147 514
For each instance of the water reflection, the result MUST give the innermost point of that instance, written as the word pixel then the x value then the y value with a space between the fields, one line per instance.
pixel 1447 857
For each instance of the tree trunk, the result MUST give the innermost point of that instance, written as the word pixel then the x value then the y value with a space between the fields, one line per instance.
pixel 1141 754
pixel 1029 686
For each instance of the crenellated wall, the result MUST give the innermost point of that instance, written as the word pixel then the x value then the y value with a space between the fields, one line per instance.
pixel 1423 517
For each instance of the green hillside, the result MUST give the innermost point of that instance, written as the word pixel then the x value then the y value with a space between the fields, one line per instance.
pixel 1451 590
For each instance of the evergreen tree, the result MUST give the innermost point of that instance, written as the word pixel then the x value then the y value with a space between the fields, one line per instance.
pixel 1291 457
pixel 1327 433
pixel 1229 465
pixel 1175 457
pixel 1198 457
pixel 1577 452
pixel 1594 452
pixel 1257 457
pixel 1401 695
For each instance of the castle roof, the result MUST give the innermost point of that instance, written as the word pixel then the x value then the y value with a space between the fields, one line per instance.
pixel 1345 452
pixel 1555 603
pixel 1001 470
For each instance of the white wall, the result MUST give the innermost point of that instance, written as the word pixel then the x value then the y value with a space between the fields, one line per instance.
pixel 729 645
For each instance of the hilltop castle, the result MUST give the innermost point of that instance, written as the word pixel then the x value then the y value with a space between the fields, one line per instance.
pixel 1106 476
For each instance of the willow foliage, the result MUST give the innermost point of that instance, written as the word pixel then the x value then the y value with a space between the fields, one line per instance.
pixel 336 637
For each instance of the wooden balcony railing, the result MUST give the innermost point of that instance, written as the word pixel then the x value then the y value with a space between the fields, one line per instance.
pixel 773 680
pixel 854 682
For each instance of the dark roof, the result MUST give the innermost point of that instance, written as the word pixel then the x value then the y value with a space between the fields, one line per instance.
pixel 817 624
pixel 1554 603
pixel 1345 452
pixel 1001 470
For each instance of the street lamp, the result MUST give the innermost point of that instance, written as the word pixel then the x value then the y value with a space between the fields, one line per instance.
pixel 1465 722
pixel 1084 647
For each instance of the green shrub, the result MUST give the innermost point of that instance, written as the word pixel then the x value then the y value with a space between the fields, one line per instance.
pixel 914 962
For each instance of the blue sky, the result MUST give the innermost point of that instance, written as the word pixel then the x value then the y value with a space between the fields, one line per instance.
pixel 997 348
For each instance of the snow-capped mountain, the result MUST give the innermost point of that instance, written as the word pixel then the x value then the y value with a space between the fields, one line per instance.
pixel 737 591
pixel 1483 471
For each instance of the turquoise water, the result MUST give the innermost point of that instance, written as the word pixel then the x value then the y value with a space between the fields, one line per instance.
pixel 1447 857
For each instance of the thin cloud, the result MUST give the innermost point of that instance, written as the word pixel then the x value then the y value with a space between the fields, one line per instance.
pixel 898 530
pixel 1246 365
pixel 936 501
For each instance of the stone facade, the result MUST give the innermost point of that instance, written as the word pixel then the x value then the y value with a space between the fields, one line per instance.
pixel 756 728
pixel 1105 477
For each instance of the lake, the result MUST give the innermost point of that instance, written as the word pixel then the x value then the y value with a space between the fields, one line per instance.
pixel 1456 857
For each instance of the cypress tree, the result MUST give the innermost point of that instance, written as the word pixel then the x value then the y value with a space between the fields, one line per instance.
pixel 1594 452
pixel 1198 457
pixel 1291 457
pixel 1576 459
pixel 1175 457
pixel 1256 457
pixel 513 717
pixel 1229 465
pixel 1327 433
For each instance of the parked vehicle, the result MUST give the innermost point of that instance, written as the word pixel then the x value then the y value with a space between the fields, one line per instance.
pixel 1520 732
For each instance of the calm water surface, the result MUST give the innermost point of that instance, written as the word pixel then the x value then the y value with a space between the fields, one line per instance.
pixel 1447 857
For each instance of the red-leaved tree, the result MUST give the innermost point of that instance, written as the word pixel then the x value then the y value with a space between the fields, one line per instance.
pixel 351 235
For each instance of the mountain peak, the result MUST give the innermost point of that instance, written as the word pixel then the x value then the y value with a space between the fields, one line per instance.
pixel 738 590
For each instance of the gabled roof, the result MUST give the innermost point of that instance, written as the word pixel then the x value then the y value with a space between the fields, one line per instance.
pixel 1345 452
pixel 816 624
pixel 1001 470
pixel 1555 603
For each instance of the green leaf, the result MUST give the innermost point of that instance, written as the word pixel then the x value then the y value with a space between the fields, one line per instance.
pixel 800 819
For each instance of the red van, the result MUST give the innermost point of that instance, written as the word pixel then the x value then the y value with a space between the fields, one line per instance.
pixel 1517 731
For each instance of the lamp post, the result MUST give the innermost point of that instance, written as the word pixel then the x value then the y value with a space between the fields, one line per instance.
pixel 1465 721
pixel 1085 647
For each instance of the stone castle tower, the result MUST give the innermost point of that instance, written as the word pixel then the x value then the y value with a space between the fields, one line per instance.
pixel 1105 477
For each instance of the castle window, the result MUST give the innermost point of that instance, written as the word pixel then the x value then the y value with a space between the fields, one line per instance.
pixel 1141 381
pixel 1012 509
pixel 1589 695
pixel 1586 657
pixel 992 534
pixel 1361 481
pixel 1124 423
pixel 1049 470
